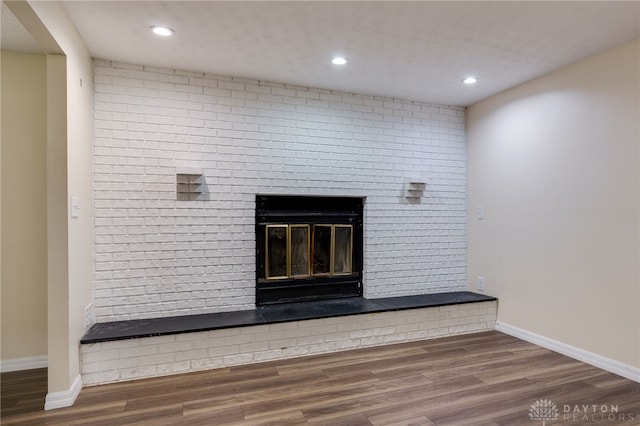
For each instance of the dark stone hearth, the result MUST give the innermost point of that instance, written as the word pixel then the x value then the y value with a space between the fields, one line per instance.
pixel 272 314
pixel 319 309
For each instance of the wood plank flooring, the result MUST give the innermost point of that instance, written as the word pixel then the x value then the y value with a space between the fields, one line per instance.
pixel 479 379
pixel 22 392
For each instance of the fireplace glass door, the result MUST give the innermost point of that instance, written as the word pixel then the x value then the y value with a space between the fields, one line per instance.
pixel 342 249
pixel 277 250
pixel 290 253
pixel 322 249
pixel 299 249
pixel 308 248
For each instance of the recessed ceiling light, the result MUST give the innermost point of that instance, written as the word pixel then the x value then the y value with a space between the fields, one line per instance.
pixel 339 60
pixel 162 31
pixel 470 80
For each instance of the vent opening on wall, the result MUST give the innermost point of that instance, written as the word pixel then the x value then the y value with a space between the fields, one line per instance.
pixel 414 190
pixel 189 186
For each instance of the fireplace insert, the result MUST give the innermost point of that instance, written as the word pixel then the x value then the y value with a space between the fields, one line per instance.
pixel 308 248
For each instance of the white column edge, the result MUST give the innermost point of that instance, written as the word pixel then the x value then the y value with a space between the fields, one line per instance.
pixel 64 398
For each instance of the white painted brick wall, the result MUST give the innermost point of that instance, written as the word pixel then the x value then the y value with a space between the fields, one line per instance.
pixel 179 353
pixel 156 256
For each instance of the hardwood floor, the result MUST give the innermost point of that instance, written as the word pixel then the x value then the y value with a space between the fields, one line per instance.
pixel 22 392
pixel 480 379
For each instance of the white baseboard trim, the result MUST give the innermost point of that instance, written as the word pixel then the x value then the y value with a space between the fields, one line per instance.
pixel 608 364
pixel 26 363
pixel 64 398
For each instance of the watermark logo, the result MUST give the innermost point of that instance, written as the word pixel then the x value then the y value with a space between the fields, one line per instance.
pixel 545 410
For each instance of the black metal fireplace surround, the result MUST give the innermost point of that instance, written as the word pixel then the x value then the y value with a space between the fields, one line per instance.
pixel 308 248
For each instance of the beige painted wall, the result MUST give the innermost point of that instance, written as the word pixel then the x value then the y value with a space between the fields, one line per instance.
pixel 69 173
pixel 60 368
pixel 555 164
pixel 24 224
pixel 75 97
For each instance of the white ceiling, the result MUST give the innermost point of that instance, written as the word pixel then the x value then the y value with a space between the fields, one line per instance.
pixel 14 36
pixel 411 50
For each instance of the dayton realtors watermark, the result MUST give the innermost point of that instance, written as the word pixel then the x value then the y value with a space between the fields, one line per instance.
pixel 596 413
pixel 545 410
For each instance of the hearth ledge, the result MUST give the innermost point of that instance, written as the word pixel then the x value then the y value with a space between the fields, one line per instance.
pixel 272 314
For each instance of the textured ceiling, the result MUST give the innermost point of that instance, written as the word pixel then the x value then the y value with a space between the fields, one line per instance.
pixel 410 50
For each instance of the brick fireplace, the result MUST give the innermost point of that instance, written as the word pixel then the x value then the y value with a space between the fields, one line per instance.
pixel 162 259
pixel 161 255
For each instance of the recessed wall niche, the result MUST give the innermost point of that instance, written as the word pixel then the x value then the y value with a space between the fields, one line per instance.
pixel 189 186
